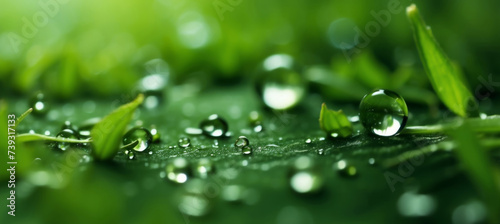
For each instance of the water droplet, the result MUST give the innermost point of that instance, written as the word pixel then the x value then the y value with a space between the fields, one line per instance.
pixel 242 141
pixel 345 169
pixel 280 85
pixel 184 142
pixel 130 154
pixel 39 104
pixel 371 161
pixel 65 133
pixel 414 205
pixel 306 181
pixel 193 200
pixel 256 121
pixel 383 112
pixel 469 213
pixel 204 167
pixel 232 193
pixel 142 135
pixel 69 125
pixel 178 170
pixel 156 134
pixel 246 150
pixel 308 141
pixel 214 126
pixel 321 152
pixel 304 177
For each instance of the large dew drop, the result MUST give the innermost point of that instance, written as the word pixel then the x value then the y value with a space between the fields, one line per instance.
pixel 142 135
pixel 383 112
pixel 214 126
pixel 280 85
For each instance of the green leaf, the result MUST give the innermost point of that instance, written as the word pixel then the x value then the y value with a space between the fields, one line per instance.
pixel 29 137
pixel 334 123
pixel 479 168
pixel 444 76
pixel 21 118
pixel 108 133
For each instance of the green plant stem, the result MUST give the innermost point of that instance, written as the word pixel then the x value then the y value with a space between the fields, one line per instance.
pixel 28 137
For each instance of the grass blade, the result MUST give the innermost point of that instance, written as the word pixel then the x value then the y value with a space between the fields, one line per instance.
pixel 108 133
pixel 29 137
pixel 334 123
pixel 21 118
pixel 479 168
pixel 444 76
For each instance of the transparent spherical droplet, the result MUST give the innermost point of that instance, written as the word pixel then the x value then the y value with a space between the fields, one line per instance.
pixel 156 134
pixel 280 85
pixel 178 170
pixel 130 154
pixel 242 141
pixel 246 150
pixel 69 125
pixel 142 135
pixel 371 161
pixel 304 177
pixel 308 141
pixel 306 181
pixel 184 142
pixel 345 169
pixel 214 126
pixel 383 112
pixel 65 134
pixel 204 168
pixel 39 104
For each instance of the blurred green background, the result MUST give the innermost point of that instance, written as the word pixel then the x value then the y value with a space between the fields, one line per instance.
pixel 74 51
pixel 72 48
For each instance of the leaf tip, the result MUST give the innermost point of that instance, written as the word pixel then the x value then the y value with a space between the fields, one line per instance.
pixel 411 9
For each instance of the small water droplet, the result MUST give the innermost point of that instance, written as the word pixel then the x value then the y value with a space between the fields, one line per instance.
pixel 142 135
pixel 308 141
pixel 345 169
pixel 65 134
pixel 280 85
pixel 383 112
pixel 414 205
pixel 69 125
pixel 246 150
pixel 233 193
pixel 184 142
pixel 242 141
pixel 130 154
pixel 156 134
pixel 304 177
pixel 39 104
pixel 214 126
pixel 204 167
pixel 178 170
pixel 371 161
pixel 321 152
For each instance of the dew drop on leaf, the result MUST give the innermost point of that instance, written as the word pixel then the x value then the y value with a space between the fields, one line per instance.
pixel 242 141
pixel 142 135
pixel 383 112
pixel 178 170
pixel 214 126
pixel 280 85
pixel 184 142
pixel 68 134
